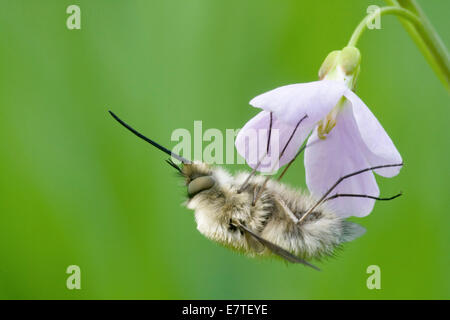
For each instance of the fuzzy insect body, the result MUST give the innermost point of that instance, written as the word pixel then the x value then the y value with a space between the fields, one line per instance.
pixel 260 216
pixel 221 209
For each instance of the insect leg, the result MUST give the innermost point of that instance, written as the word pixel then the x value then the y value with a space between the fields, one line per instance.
pixel 244 185
pixel 298 153
pixel 174 165
pixel 286 209
pixel 281 154
pixel 270 133
pixel 338 195
pixel 342 179
pixel 255 192
pixel 290 162
pixel 276 249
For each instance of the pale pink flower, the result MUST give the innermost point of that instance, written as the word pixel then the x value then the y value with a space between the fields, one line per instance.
pixel 346 137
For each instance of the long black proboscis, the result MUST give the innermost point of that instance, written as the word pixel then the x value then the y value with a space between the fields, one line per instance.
pixel 153 143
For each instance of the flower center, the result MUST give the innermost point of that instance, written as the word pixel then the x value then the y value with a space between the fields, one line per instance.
pixel 325 126
pixel 342 66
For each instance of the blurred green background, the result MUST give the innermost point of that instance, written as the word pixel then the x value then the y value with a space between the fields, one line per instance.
pixel 75 188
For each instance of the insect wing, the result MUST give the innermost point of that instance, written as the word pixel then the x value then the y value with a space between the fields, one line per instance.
pixel 277 250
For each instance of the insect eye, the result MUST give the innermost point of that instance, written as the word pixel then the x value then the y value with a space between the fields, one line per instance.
pixel 199 184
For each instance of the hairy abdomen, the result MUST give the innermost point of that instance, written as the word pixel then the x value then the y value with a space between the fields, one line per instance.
pixel 317 236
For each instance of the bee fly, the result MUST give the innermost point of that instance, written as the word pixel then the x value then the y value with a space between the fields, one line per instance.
pixel 260 216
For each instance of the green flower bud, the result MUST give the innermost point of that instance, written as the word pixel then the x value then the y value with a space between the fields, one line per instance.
pixel 329 63
pixel 349 60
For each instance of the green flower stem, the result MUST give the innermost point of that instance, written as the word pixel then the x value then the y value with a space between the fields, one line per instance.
pixel 421 32
pixel 404 13
pixel 427 40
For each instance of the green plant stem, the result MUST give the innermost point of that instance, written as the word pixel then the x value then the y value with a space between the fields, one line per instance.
pixel 404 13
pixel 421 31
pixel 428 40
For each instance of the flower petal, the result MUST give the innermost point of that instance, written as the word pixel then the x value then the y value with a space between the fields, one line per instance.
pixel 251 141
pixel 338 155
pixel 380 148
pixel 292 102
